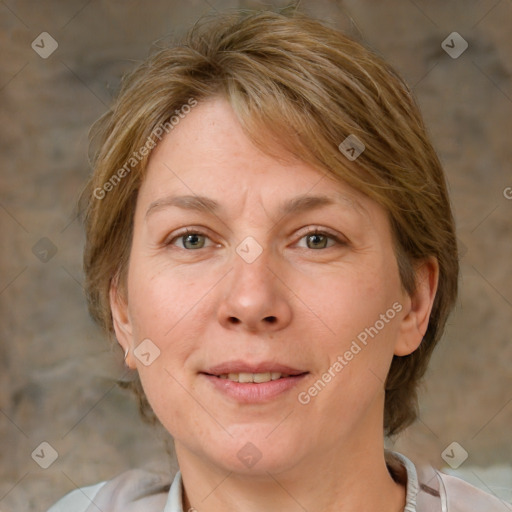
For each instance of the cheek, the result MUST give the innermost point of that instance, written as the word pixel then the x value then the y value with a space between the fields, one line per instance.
pixel 163 300
pixel 173 309
pixel 360 310
pixel 351 301
pixel 164 308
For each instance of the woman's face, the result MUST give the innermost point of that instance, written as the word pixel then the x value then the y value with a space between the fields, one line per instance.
pixel 279 270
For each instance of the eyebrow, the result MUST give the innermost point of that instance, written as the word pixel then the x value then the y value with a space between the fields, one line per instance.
pixel 291 206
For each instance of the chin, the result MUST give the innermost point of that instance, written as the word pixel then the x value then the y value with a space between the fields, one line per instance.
pixel 257 454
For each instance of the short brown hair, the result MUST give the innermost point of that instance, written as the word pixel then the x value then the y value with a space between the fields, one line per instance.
pixel 290 79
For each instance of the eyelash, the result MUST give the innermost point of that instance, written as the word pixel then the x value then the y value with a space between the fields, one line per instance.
pixel 315 231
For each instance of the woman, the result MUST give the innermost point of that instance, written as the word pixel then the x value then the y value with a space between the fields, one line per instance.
pixel 270 241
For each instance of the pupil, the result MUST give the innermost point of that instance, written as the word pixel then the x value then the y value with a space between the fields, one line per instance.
pixel 192 239
pixel 316 239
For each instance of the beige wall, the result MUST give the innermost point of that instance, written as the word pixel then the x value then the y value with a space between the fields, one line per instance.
pixel 55 369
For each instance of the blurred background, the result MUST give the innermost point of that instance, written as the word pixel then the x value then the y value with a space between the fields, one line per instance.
pixel 61 67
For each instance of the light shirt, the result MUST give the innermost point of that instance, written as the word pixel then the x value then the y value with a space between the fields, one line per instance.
pixel 427 490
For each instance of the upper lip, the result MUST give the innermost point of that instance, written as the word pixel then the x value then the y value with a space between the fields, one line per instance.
pixel 244 367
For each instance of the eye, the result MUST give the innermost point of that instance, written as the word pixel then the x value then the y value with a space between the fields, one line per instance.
pixel 317 239
pixel 190 240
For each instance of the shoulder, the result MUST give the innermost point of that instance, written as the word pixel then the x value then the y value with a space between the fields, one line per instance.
pixel 461 496
pixel 430 490
pixel 77 500
pixel 148 488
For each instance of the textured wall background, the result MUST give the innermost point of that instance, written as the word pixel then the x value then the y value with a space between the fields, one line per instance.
pixel 56 371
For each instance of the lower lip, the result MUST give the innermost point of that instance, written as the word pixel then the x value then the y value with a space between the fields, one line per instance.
pixel 250 393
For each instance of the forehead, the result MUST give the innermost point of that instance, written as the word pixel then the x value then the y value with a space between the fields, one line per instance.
pixel 210 141
pixel 208 156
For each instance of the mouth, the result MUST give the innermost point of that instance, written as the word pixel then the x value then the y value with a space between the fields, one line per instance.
pixel 253 383
pixel 240 371
pixel 258 378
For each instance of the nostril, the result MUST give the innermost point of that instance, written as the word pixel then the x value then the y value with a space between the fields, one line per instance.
pixel 234 320
pixel 271 319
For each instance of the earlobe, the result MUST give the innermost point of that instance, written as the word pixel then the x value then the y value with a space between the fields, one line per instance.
pixel 121 321
pixel 419 306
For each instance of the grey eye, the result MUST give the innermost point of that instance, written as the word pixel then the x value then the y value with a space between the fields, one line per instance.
pixel 195 241
pixel 317 241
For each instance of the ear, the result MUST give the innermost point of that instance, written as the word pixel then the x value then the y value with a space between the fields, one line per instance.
pixel 121 320
pixel 417 308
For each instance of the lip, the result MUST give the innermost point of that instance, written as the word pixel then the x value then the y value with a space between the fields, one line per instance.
pixel 249 392
pixel 252 393
pixel 239 366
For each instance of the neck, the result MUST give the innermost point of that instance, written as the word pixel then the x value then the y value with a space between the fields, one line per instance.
pixel 345 480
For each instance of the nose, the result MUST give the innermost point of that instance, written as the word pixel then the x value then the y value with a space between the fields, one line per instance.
pixel 254 298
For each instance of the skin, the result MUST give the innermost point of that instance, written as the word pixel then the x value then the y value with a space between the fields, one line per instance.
pixel 202 304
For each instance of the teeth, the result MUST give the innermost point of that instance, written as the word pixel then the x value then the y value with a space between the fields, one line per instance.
pixel 261 377
pixel 246 377
pixel 253 377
